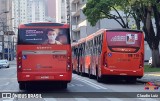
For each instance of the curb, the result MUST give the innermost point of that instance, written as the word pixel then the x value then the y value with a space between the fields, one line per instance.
pixel 142 81
pixel 157 83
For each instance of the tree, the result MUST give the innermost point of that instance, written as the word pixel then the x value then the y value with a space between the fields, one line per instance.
pixel 147 11
pixel 100 9
pixel 141 10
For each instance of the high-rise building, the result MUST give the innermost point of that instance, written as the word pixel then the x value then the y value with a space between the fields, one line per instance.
pixel 51 10
pixel 26 11
pixel 78 19
pixel 57 10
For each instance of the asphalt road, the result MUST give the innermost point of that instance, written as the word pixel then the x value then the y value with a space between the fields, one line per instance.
pixel 80 89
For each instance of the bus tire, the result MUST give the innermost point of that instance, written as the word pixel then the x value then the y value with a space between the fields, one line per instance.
pixel 81 71
pixel 22 86
pixel 89 74
pixel 7 67
pixel 131 80
pixel 64 85
pixel 99 79
pixel 78 70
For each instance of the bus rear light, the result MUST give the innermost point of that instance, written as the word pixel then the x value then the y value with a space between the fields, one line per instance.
pixel 105 60
pixel 68 62
pixel 141 61
pixel 19 66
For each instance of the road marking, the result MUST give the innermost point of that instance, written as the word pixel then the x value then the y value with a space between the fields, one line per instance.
pixel 79 85
pixel 8 99
pixel 82 99
pixel 50 99
pixel 148 99
pixel 9 90
pixel 7 83
pixel 71 85
pixel 114 99
pixel 90 83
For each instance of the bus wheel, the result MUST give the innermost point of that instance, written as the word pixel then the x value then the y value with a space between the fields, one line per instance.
pixel 81 71
pixel 99 79
pixel 131 80
pixel 64 85
pixel 22 86
pixel 89 74
pixel 78 70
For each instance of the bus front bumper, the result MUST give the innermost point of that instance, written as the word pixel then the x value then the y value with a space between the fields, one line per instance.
pixel 25 76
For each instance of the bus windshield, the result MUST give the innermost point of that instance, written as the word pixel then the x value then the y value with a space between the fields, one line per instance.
pixel 124 39
pixel 35 36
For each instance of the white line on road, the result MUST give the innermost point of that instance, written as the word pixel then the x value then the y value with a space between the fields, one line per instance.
pixel 148 99
pixel 90 83
pixel 50 99
pixel 114 99
pixel 82 99
pixel 10 90
pixel 11 99
pixel 7 83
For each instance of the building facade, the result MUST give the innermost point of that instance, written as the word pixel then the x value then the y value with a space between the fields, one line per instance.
pixel 78 19
pixel 57 10
pixel 26 11
pixel 6 30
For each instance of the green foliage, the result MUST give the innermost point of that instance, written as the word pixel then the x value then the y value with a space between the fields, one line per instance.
pixel 148 68
pixel 99 9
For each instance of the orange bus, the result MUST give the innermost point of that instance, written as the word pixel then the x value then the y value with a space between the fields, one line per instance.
pixel 81 57
pixel 115 53
pixel 74 56
pixel 43 54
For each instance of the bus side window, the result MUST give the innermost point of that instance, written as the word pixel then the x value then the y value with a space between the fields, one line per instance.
pixel 94 44
pixel 97 46
pixel 80 50
pixel 100 44
pixel 92 47
pixel 83 49
pixel 89 47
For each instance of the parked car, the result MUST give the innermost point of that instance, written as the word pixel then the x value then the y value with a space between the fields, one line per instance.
pixel 4 63
pixel 150 61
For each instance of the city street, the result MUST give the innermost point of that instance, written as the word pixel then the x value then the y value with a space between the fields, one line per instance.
pixel 80 86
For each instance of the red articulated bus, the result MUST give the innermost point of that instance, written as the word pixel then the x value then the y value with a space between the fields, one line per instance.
pixel 114 53
pixel 74 56
pixel 81 56
pixel 43 54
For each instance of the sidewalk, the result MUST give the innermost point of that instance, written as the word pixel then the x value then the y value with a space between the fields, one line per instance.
pixel 151 77
pixel 13 62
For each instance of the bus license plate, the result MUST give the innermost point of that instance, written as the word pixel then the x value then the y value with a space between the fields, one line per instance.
pixel 44 77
